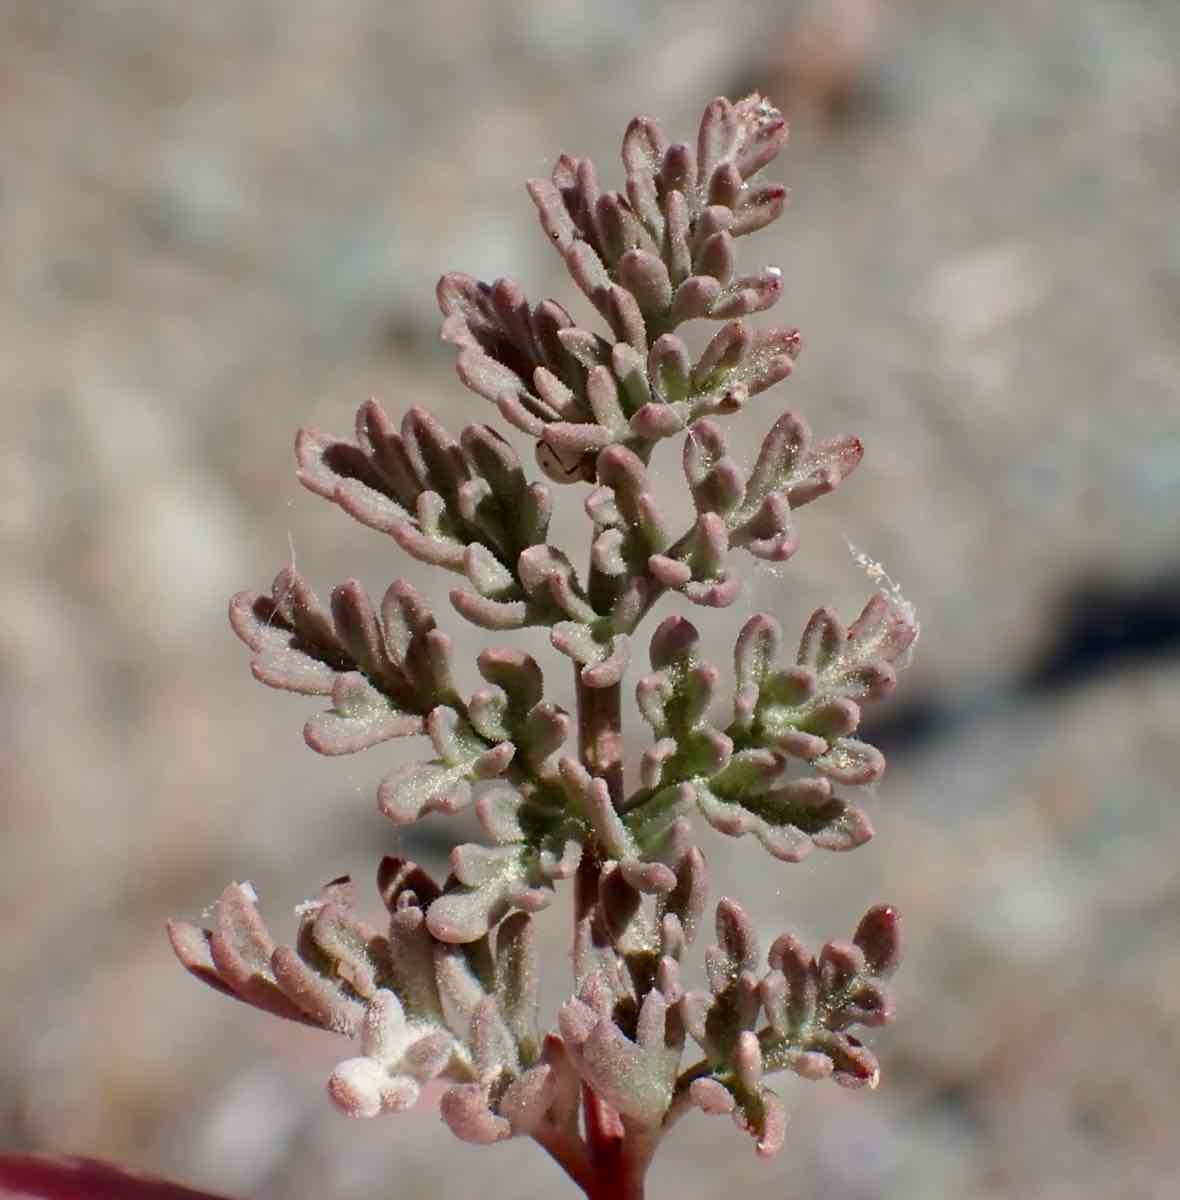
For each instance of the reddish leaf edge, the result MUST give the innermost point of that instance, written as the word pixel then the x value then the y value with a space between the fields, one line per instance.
pixel 30 1177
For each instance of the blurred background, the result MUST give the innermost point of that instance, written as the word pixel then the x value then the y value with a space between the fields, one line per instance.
pixel 219 221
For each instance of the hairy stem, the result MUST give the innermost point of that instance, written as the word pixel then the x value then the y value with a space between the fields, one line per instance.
pixel 568 1150
pixel 600 710
pixel 600 734
pixel 615 1171
pixel 619 1158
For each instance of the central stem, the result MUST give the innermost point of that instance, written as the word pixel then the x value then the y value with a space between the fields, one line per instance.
pixel 600 710
pixel 600 734
pixel 616 1170
pixel 618 1157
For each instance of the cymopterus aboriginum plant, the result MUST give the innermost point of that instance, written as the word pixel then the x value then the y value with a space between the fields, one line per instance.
pixel 447 989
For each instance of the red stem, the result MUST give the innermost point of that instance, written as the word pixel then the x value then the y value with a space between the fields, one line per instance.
pixel 600 734
pixel 618 1171
pixel 617 1161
